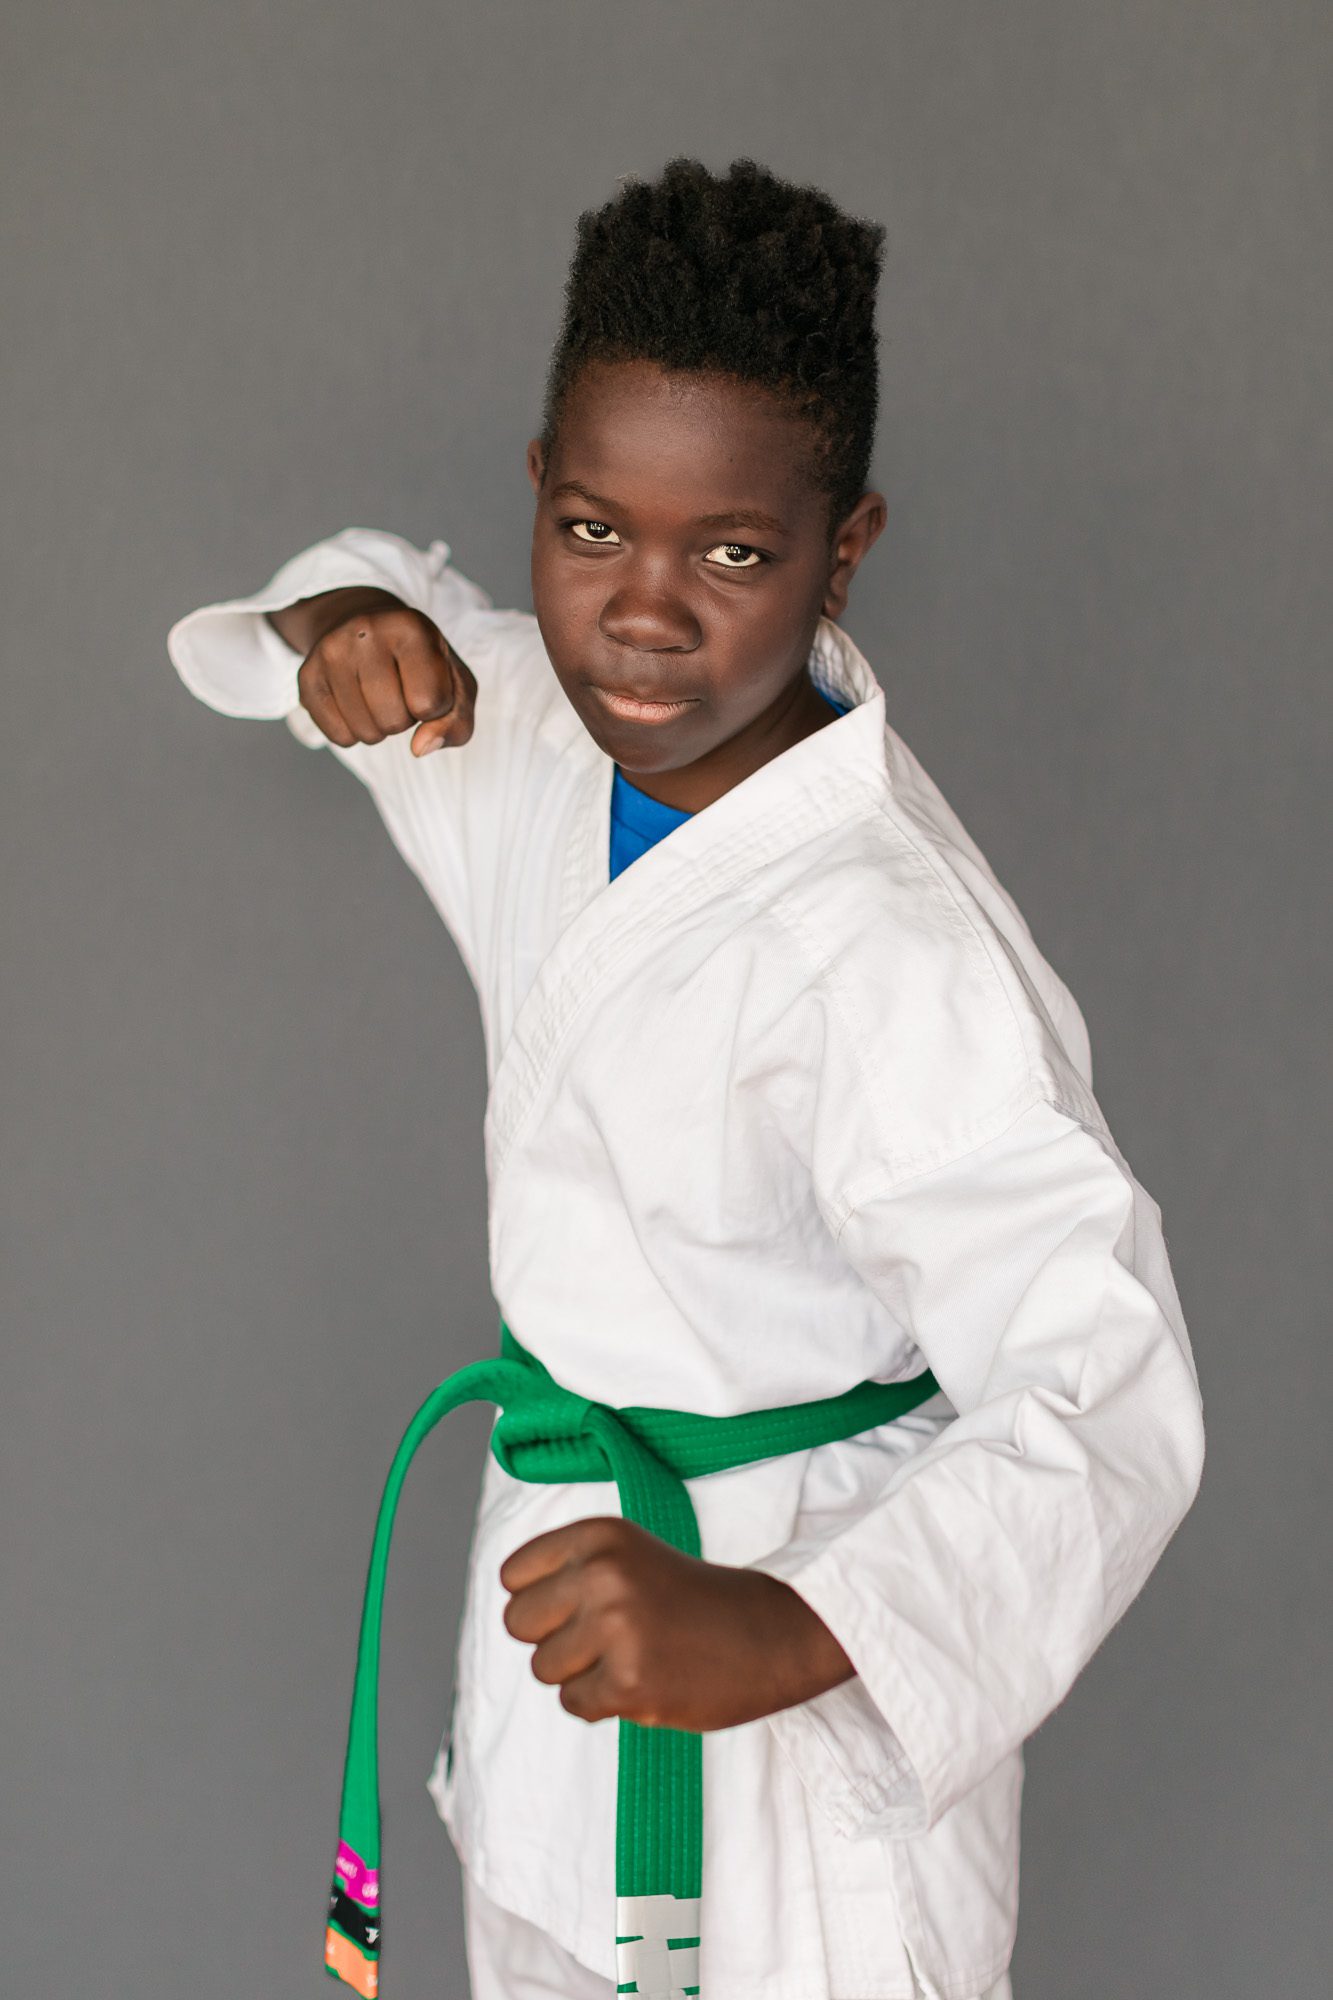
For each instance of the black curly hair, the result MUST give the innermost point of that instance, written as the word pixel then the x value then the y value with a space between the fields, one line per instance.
pixel 738 274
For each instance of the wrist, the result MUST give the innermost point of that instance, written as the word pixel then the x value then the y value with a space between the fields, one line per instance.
pixel 812 1658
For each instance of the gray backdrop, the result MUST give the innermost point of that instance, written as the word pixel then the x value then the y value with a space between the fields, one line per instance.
pixel 276 267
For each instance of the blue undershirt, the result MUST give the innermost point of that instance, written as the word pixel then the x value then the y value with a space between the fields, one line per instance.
pixel 638 822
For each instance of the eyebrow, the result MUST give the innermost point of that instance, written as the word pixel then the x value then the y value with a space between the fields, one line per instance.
pixel 740 517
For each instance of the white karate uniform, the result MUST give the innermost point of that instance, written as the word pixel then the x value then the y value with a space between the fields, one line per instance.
pixel 511 1959
pixel 793 1101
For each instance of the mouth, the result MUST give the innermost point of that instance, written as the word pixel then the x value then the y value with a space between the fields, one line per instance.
pixel 631 709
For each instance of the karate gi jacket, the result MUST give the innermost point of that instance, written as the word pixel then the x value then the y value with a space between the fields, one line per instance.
pixel 793 1101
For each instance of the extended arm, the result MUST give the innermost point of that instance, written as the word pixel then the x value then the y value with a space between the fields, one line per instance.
pixel 241 656
pixel 244 657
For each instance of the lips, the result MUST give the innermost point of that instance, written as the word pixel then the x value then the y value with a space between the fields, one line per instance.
pixel 640 708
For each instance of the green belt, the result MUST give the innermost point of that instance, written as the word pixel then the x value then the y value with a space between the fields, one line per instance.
pixel 549 1435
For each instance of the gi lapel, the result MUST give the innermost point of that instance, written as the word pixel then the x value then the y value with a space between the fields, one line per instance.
pixel 818 783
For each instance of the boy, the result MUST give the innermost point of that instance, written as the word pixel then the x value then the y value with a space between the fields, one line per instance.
pixel 783 1099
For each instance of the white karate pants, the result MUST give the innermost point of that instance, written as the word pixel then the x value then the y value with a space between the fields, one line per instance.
pixel 510 1959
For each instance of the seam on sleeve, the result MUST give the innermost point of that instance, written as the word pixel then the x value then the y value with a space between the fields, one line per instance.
pixel 876 1185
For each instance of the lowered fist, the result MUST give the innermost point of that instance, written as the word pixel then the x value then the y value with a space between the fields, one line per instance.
pixel 628 1625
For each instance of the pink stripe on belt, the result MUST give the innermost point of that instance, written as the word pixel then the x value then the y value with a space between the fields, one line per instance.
pixel 363 1884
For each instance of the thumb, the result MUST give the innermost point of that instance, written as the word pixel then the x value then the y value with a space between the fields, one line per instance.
pixel 455 725
pixel 431 736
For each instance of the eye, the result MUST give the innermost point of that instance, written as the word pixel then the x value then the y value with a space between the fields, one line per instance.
pixel 738 556
pixel 592 531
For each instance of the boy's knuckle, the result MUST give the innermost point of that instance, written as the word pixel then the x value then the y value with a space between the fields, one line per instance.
pixel 629 1680
pixel 429 705
pixel 605 1577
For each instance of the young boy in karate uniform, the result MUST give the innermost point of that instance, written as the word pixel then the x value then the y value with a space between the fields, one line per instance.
pixel 783 1099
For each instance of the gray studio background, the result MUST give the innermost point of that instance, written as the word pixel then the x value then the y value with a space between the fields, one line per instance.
pixel 271 270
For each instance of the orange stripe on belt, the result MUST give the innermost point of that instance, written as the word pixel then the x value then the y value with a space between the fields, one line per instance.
pixel 360 1973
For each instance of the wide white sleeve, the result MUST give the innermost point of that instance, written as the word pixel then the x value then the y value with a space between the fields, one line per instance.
pixel 1033 1276
pixel 445 812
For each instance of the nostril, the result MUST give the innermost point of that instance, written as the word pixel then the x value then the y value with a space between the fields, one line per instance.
pixel 643 631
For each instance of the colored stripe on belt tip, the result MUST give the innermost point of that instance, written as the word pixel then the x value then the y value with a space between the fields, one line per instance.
pixel 352 1939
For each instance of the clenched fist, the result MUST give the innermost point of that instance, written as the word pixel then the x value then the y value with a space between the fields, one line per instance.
pixel 628 1625
pixel 374 667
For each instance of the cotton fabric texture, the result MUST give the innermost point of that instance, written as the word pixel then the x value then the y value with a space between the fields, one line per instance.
pixel 793 1101
pixel 510 1959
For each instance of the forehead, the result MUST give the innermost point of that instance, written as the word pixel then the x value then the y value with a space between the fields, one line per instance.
pixel 688 444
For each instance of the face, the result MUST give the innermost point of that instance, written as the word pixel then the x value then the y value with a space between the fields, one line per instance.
pixel 681 556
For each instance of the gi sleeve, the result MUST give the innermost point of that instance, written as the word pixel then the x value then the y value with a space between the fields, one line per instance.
pixel 1033 1277
pixel 441 812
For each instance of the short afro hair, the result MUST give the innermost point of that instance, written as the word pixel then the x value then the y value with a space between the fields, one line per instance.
pixel 738 274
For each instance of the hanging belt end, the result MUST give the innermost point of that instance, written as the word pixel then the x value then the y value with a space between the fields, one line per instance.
pixel 352 1938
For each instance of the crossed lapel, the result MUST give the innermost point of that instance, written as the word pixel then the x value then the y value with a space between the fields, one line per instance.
pixel 606 924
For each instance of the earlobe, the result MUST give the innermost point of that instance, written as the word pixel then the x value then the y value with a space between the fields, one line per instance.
pixel 862 527
pixel 835 597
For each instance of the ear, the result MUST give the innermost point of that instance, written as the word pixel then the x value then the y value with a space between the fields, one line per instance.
pixel 862 526
pixel 536 464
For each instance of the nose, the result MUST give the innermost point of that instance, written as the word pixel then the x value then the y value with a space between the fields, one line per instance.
pixel 647 614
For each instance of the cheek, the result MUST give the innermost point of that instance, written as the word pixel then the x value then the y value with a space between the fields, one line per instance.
pixel 564 598
pixel 769 634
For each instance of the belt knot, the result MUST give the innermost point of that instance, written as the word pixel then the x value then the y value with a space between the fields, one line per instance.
pixel 547 1434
